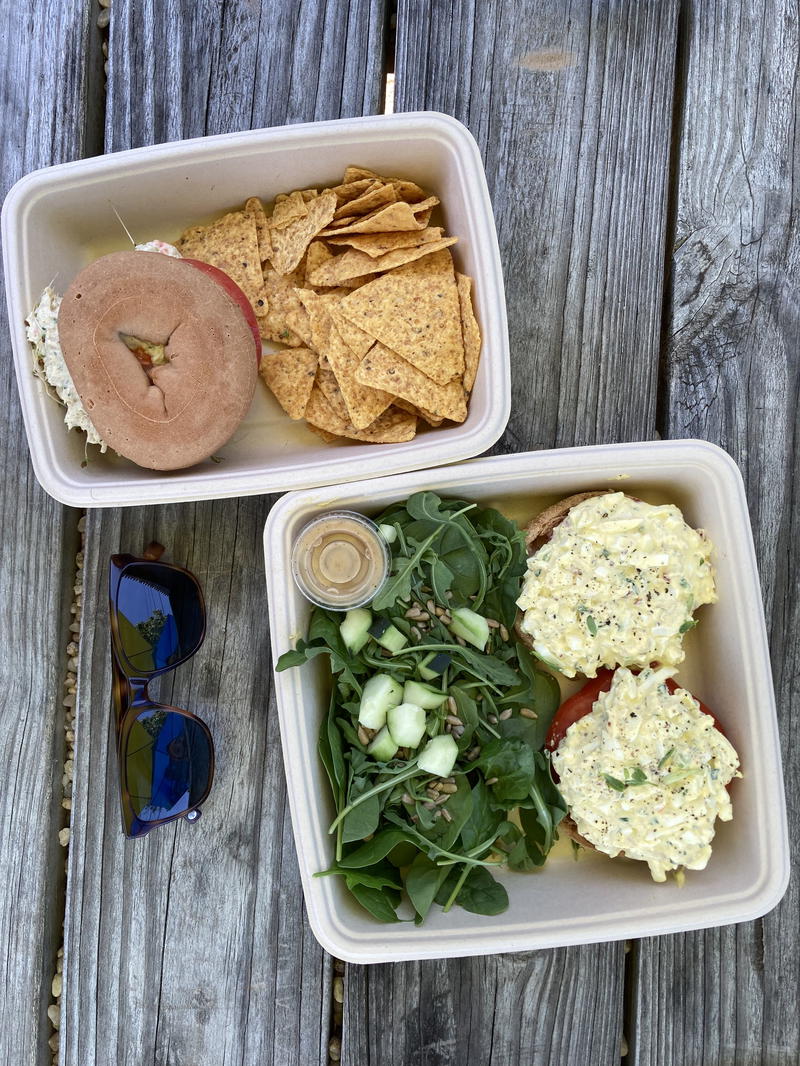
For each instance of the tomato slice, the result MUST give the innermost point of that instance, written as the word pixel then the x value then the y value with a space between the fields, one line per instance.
pixel 573 709
pixel 236 294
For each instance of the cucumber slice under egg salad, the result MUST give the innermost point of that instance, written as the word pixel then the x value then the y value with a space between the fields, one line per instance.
pixel 433 737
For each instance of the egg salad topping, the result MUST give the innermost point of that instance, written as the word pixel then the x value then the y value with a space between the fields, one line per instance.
pixel 49 365
pixel 617 583
pixel 645 771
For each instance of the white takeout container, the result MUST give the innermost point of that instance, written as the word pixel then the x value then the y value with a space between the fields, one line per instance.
pixel 56 221
pixel 727 666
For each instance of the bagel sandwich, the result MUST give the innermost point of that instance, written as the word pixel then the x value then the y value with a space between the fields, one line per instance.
pixel 163 354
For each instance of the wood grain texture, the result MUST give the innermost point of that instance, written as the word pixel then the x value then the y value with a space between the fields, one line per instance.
pixel 728 996
pixel 191 946
pixel 571 107
pixel 40 126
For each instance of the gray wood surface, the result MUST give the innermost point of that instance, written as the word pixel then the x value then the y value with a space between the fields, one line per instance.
pixel 733 334
pixel 191 946
pixel 37 564
pixel 571 107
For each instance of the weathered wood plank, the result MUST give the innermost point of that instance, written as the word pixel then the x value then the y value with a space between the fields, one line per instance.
pixel 732 373
pixel 571 106
pixel 191 946
pixel 43 117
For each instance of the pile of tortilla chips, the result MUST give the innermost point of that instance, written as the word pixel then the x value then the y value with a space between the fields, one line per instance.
pixel 376 325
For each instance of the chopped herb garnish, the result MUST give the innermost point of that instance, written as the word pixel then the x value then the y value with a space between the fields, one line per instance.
pixel 690 623
pixel 665 758
pixel 591 625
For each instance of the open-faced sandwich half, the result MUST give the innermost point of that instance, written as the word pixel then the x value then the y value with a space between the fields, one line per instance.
pixel 643 767
pixel 612 581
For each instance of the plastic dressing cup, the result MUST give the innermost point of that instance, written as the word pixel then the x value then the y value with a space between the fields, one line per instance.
pixel 340 560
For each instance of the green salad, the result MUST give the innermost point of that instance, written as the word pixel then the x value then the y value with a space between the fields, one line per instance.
pixel 433 737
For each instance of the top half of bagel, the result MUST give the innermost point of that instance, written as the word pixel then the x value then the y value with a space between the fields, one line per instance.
pixel 612 581
pixel 178 411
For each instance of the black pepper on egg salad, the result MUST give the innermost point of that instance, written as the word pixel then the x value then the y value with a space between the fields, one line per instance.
pixel 616 584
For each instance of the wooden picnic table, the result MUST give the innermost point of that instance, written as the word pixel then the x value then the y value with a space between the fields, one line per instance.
pixel 641 156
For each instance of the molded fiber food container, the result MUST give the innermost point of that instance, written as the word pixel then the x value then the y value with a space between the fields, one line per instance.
pixel 56 221
pixel 727 666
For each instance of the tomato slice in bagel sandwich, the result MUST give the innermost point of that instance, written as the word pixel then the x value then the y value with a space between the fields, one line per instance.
pixel 163 353
pixel 643 768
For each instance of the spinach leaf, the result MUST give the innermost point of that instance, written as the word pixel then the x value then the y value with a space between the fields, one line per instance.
pixel 484 819
pixel 380 902
pixel 479 894
pixel 510 766
pixel 374 850
pixel 423 879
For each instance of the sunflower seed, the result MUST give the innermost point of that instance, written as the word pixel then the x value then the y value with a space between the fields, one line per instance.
pixel 503 632
pixel 446 814
pixel 416 633
pixel 413 612
pixel 442 799
pixel 448 788
pixel 453 719
pixel 491 781
pixel 429 806
pixel 452 705
pixel 430 606
pixel 493 719
pixel 492 623
pixel 458 731
pixel 407 799
pixel 362 736
pixel 526 712
pixel 461 641
pixel 505 715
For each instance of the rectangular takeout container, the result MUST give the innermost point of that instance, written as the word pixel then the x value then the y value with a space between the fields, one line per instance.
pixel 727 666
pixel 56 221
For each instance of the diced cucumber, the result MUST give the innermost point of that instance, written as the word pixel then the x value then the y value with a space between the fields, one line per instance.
pixel 423 695
pixel 433 665
pixel 392 639
pixel 382 746
pixel 389 533
pixel 406 723
pixel 355 628
pixel 379 627
pixel 379 694
pixel 470 626
pixel 439 756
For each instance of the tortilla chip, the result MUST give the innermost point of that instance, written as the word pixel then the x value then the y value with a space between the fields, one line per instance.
pixel 399 216
pixel 318 253
pixel 425 205
pixel 356 339
pixel 358 174
pixel 470 331
pixel 288 208
pixel 364 404
pixel 384 369
pixel 415 312
pixel 290 375
pixel 282 301
pixel 378 244
pixel 231 245
pixel 354 263
pixel 404 405
pixel 408 190
pixel 256 209
pixel 377 195
pixel 326 379
pixel 326 436
pixel 351 189
pixel 289 244
pixel 391 427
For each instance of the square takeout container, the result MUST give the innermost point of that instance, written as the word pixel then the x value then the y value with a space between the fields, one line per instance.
pixel 56 221
pixel 727 666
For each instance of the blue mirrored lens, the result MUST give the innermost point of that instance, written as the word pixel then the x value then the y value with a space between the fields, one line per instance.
pixel 159 617
pixel 167 766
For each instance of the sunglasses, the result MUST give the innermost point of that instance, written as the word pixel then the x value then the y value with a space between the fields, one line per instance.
pixel 166 755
